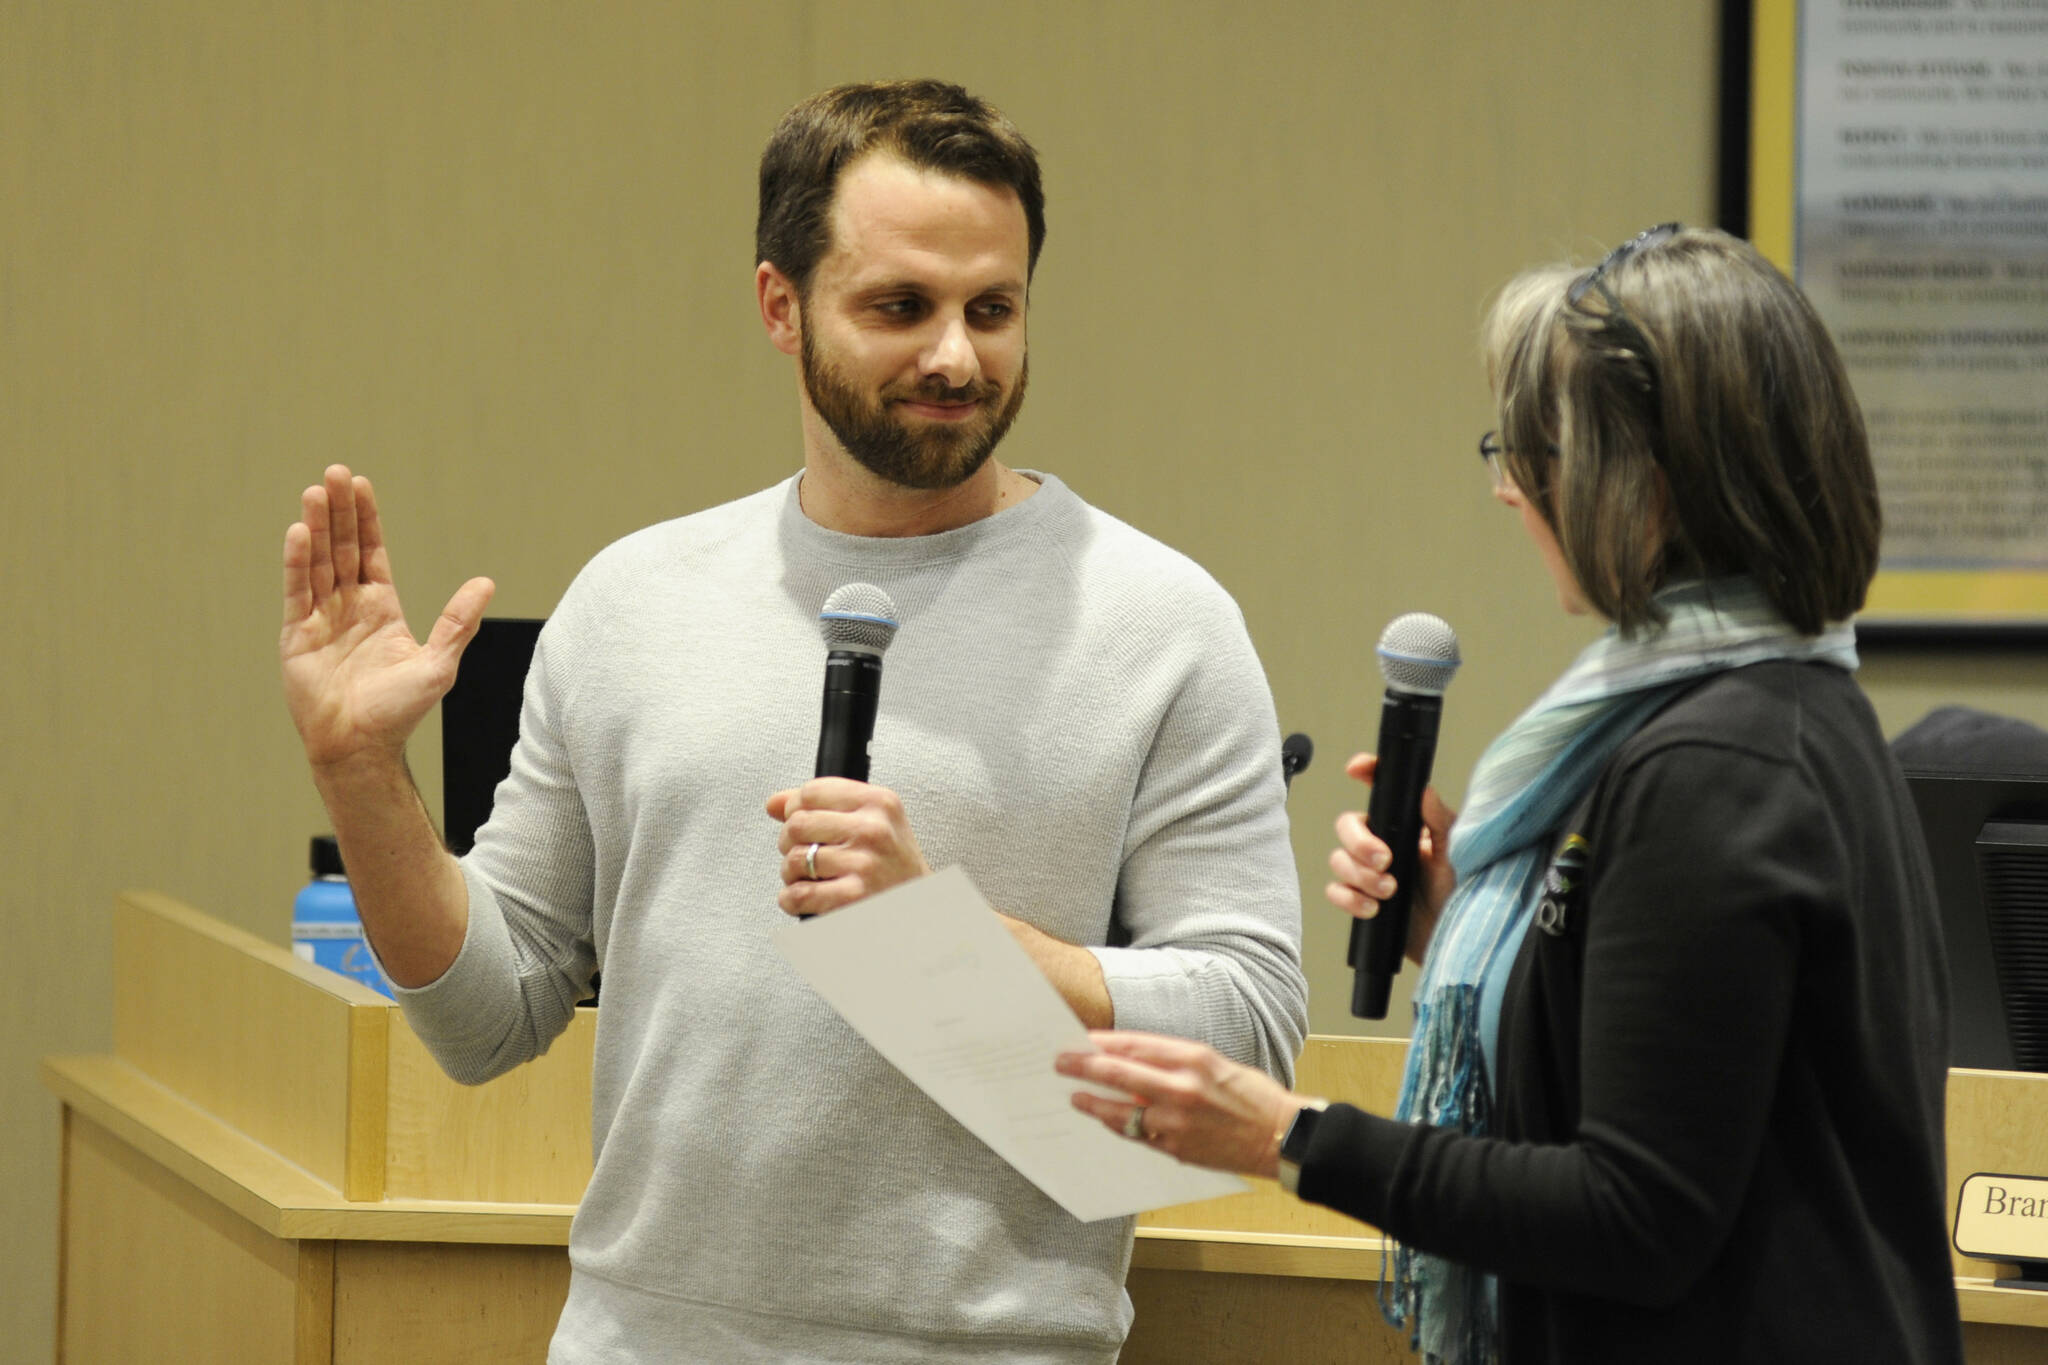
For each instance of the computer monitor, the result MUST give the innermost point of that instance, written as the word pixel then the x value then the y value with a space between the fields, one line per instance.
pixel 480 724
pixel 1987 835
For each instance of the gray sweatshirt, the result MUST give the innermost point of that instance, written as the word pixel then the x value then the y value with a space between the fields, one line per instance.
pixel 1070 710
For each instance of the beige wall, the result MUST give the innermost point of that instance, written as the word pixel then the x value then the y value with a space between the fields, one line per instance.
pixel 498 257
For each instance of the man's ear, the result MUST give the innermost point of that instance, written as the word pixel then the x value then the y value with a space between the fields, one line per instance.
pixel 781 310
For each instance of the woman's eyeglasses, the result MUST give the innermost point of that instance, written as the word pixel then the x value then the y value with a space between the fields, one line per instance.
pixel 1491 449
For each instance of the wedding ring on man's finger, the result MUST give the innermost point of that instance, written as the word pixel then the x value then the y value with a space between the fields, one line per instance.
pixel 811 862
pixel 1134 1126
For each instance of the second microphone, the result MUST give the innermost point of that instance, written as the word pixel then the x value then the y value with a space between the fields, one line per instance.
pixel 858 622
pixel 1418 653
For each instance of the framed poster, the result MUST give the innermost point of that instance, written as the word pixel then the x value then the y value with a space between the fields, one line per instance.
pixel 1898 170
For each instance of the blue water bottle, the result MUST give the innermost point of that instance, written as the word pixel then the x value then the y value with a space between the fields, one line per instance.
pixel 325 928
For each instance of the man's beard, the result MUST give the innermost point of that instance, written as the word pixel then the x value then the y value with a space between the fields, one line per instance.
pixel 941 455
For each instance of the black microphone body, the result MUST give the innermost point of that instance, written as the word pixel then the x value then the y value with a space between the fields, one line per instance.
pixel 853 689
pixel 1418 653
pixel 1407 750
pixel 858 622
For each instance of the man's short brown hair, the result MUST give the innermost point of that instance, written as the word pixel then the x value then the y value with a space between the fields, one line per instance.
pixel 930 124
pixel 1687 418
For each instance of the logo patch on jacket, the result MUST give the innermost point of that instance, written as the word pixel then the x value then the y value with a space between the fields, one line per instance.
pixel 1567 870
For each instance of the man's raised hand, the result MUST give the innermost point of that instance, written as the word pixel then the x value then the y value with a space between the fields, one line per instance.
pixel 356 681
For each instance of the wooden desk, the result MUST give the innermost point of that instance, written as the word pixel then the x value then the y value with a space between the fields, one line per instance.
pixel 269 1167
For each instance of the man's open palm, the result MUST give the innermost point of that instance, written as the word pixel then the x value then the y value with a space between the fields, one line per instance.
pixel 355 679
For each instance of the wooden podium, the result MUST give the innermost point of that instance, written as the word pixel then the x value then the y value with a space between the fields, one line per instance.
pixel 270 1168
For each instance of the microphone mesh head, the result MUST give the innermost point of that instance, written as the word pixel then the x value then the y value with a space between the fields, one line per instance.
pixel 858 616
pixel 1419 653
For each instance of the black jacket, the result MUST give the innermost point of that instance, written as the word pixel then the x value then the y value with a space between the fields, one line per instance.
pixel 1720 1099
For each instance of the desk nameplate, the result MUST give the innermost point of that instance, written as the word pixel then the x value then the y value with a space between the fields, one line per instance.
pixel 2002 1217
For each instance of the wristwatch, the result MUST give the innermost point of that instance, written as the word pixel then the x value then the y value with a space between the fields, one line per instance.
pixel 1294 1143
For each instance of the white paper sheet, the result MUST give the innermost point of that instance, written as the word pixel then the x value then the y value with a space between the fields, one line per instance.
pixel 931 978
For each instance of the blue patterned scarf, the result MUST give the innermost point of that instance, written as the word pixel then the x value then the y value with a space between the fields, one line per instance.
pixel 1525 785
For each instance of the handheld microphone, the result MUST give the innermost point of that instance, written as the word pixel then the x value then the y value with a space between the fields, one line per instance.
pixel 858 622
pixel 1418 653
pixel 1295 752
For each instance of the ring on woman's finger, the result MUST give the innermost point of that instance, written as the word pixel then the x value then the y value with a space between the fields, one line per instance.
pixel 811 862
pixel 1134 1126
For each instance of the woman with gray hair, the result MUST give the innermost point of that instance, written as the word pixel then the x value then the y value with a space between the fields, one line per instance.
pixel 1675 1089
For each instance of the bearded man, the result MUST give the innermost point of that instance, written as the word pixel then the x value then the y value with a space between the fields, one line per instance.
pixel 1074 714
